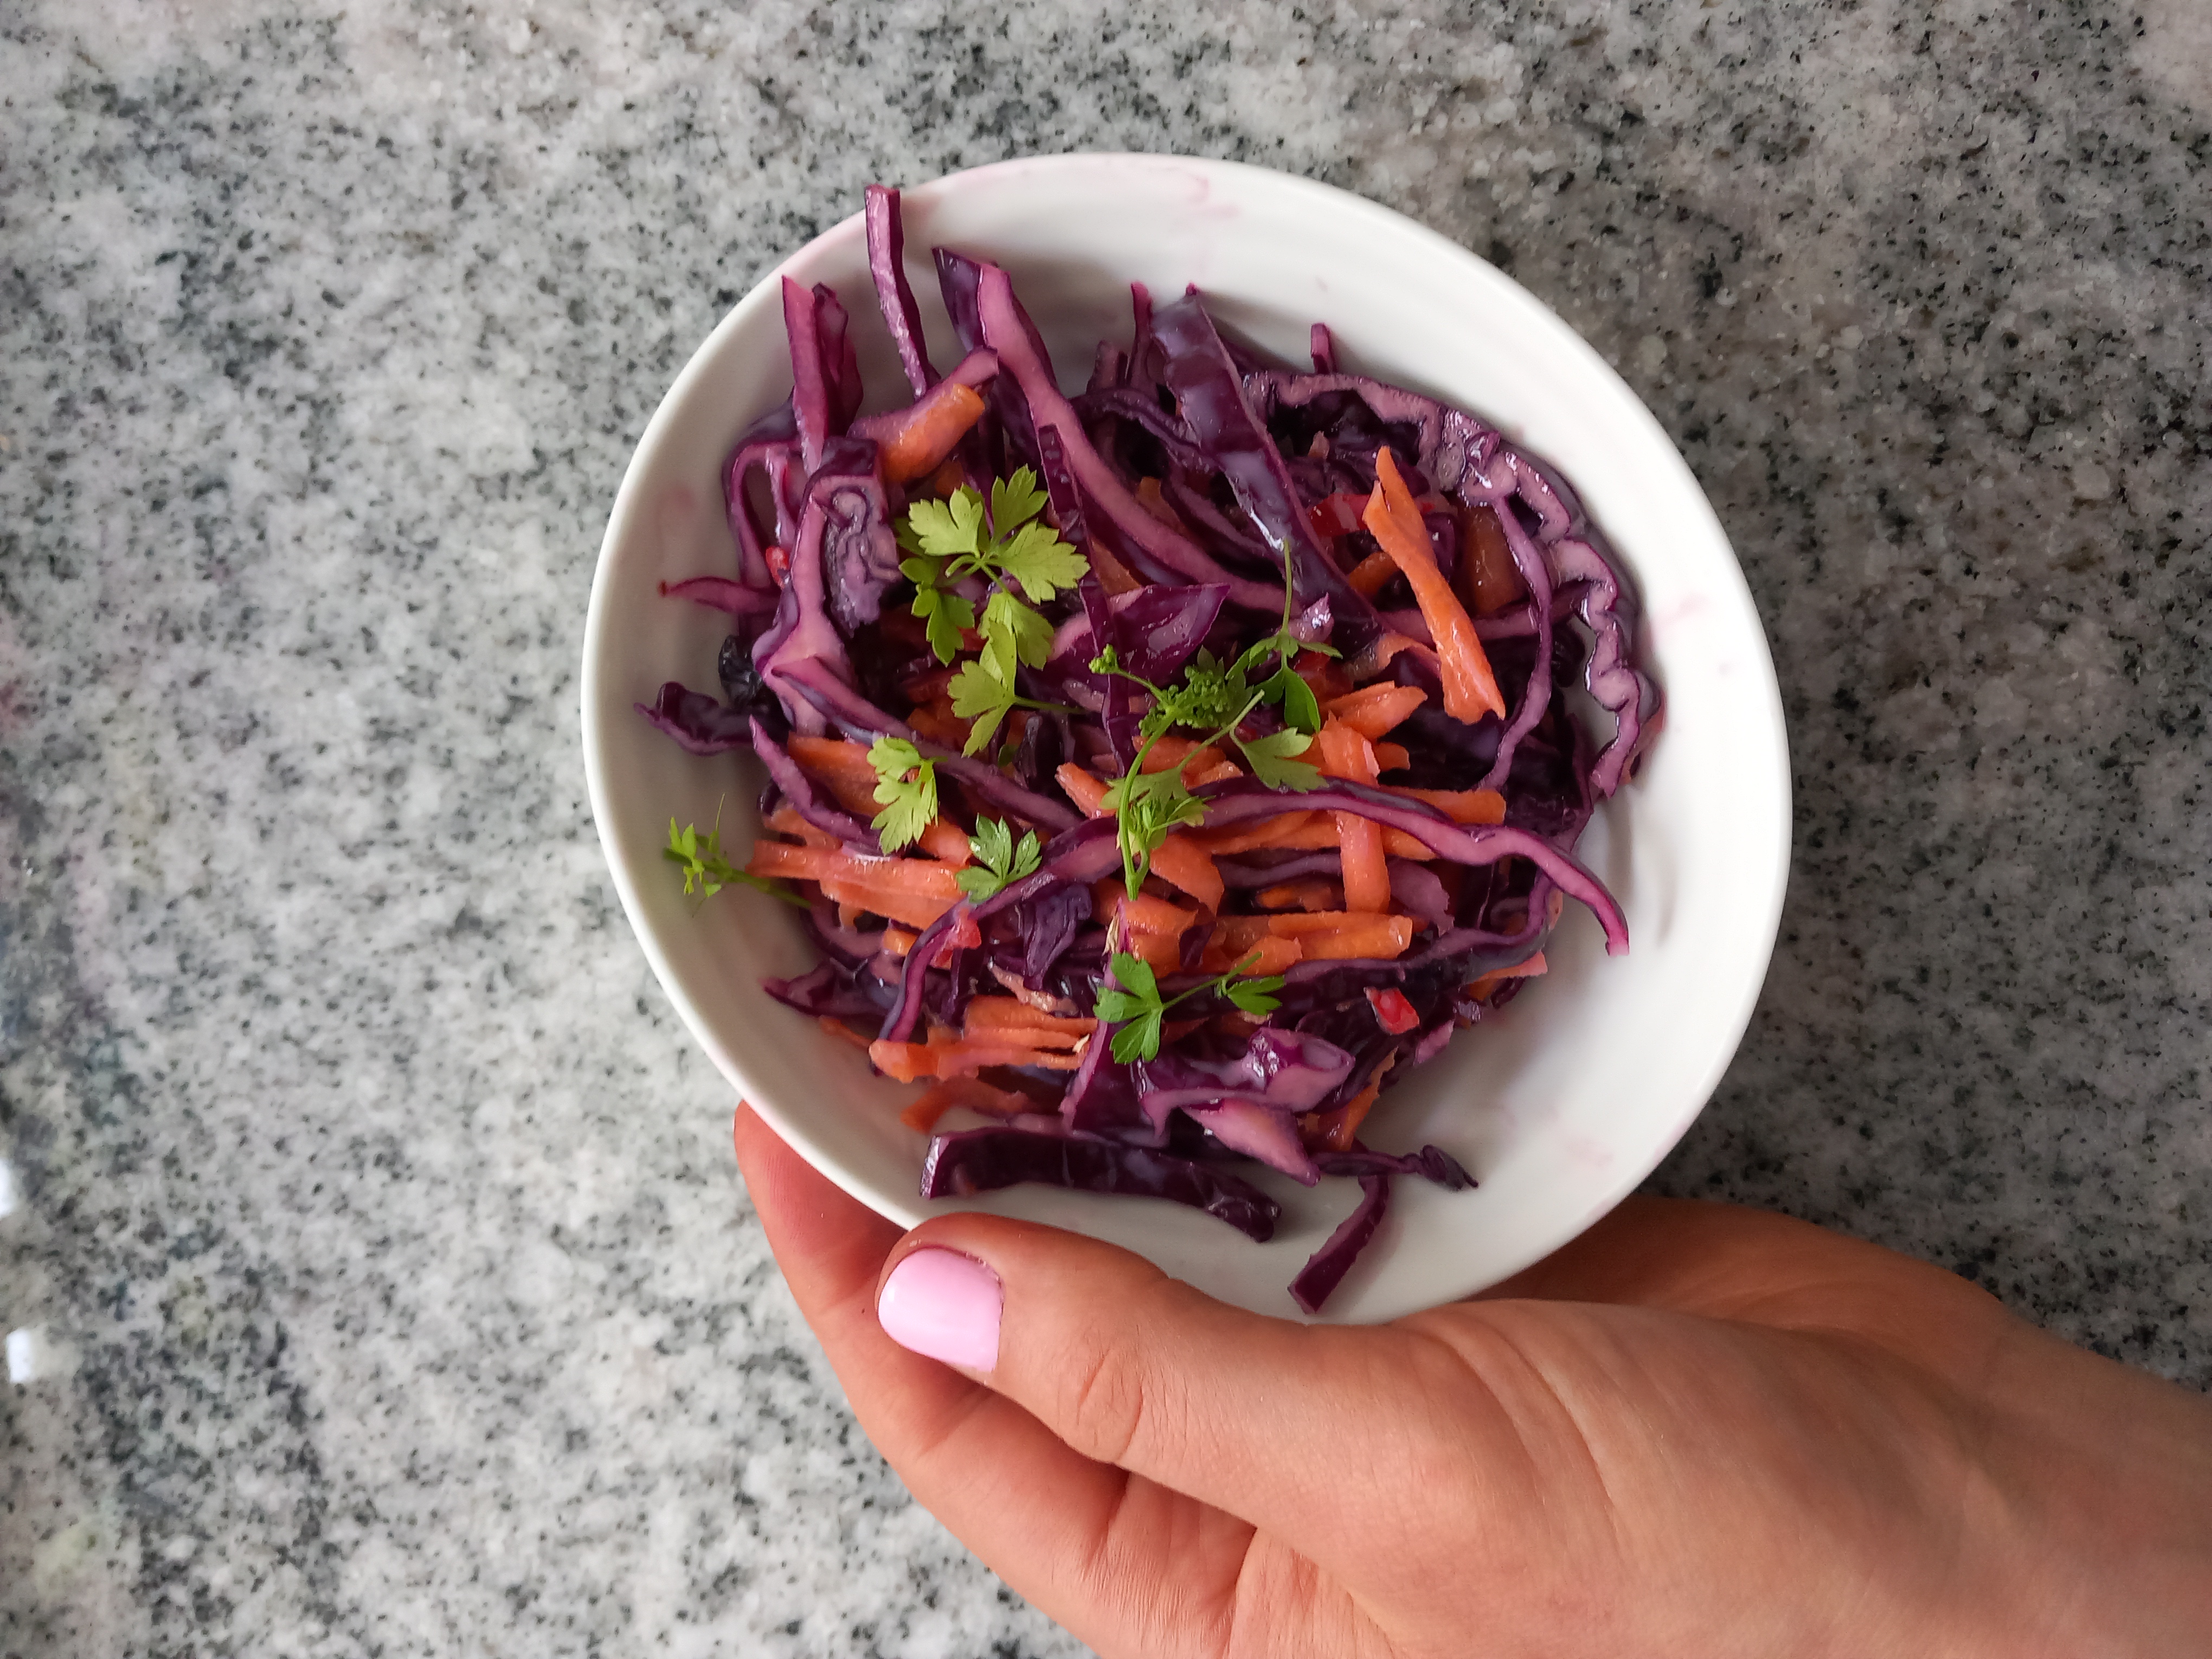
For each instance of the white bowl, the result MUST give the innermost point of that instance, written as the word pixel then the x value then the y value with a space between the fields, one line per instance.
pixel 1561 1106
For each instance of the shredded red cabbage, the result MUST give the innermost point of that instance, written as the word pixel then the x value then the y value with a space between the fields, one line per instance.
pixel 1219 501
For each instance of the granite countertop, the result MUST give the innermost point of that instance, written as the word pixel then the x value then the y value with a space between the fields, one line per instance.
pixel 378 1277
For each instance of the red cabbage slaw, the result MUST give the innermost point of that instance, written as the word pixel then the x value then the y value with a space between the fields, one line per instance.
pixel 1370 853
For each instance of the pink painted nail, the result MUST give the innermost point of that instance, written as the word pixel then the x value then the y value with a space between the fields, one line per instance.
pixel 944 1306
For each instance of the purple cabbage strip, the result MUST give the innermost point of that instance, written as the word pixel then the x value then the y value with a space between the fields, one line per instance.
pixel 1011 427
pixel 1258 1130
pixel 983 1160
pixel 1325 1269
pixel 1007 330
pixel 1156 631
pixel 771 443
pixel 812 398
pixel 798 789
pixel 1123 403
pixel 1431 1163
pixel 841 361
pixel 704 724
pixel 1211 396
pixel 828 991
pixel 1060 486
pixel 860 548
pixel 886 264
pixel 1536 572
pixel 1323 347
pixel 802 633
pixel 721 593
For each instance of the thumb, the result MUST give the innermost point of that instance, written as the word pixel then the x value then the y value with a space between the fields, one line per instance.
pixel 1258 1417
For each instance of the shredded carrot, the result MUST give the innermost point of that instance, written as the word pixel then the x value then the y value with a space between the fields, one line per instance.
pixel 832 759
pixel 1301 895
pixel 786 820
pixel 925 877
pixel 1140 914
pixel 838 1028
pixel 1171 751
pixel 1325 676
pixel 1368 576
pixel 1340 1134
pixel 1149 498
pixel 962 1057
pixel 1321 935
pixel 1161 952
pixel 937 423
pixel 1373 710
pixel 1461 805
pixel 890 902
pixel 1011 1014
pixel 1346 754
pixel 1488 575
pixel 1085 790
pixel 943 481
pixel 923 1111
pixel 1498 977
pixel 1282 830
pixel 1268 954
pixel 940 726
pixel 1470 689
pixel 897 941
pixel 1113 575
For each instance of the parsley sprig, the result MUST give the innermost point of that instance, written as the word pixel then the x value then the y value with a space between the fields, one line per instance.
pixel 906 785
pixel 949 541
pixel 1213 697
pixel 1135 1003
pixel 708 870
pixel 998 859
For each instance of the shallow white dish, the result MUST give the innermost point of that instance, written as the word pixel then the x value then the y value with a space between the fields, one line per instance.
pixel 1561 1106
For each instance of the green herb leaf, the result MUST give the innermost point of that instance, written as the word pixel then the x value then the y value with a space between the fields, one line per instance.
pixel 1269 759
pixel 1015 500
pixel 906 784
pixel 980 695
pixel 1036 557
pixel 1136 1005
pixel 998 859
pixel 1026 636
pixel 1253 995
pixel 707 871
pixel 1290 693
pixel 950 527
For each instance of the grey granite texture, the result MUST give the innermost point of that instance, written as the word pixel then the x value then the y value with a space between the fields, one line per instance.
pixel 382 1274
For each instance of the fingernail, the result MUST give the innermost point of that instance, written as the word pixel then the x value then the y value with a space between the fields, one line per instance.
pixel 944 1306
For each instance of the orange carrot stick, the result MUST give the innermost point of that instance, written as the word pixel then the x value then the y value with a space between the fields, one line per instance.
pixel 1346 754
pixel 960 1057
pixel 937 421
pixel 1498 977
pixel 1368 576
pixel 1470 689
pixel 1010 1014
pixel 1373 710
pixel 1178 861
pixel 1301 895
pixel 923 1111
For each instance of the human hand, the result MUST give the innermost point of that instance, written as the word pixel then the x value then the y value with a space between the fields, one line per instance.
pixel 1696 1430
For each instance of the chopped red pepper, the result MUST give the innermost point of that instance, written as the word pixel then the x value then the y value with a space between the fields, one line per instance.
pixel 1395 1013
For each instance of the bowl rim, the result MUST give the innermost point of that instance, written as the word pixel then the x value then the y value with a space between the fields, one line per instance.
pixel 909 1212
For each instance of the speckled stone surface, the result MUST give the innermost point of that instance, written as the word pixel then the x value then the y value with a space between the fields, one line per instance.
pixel 382 1281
